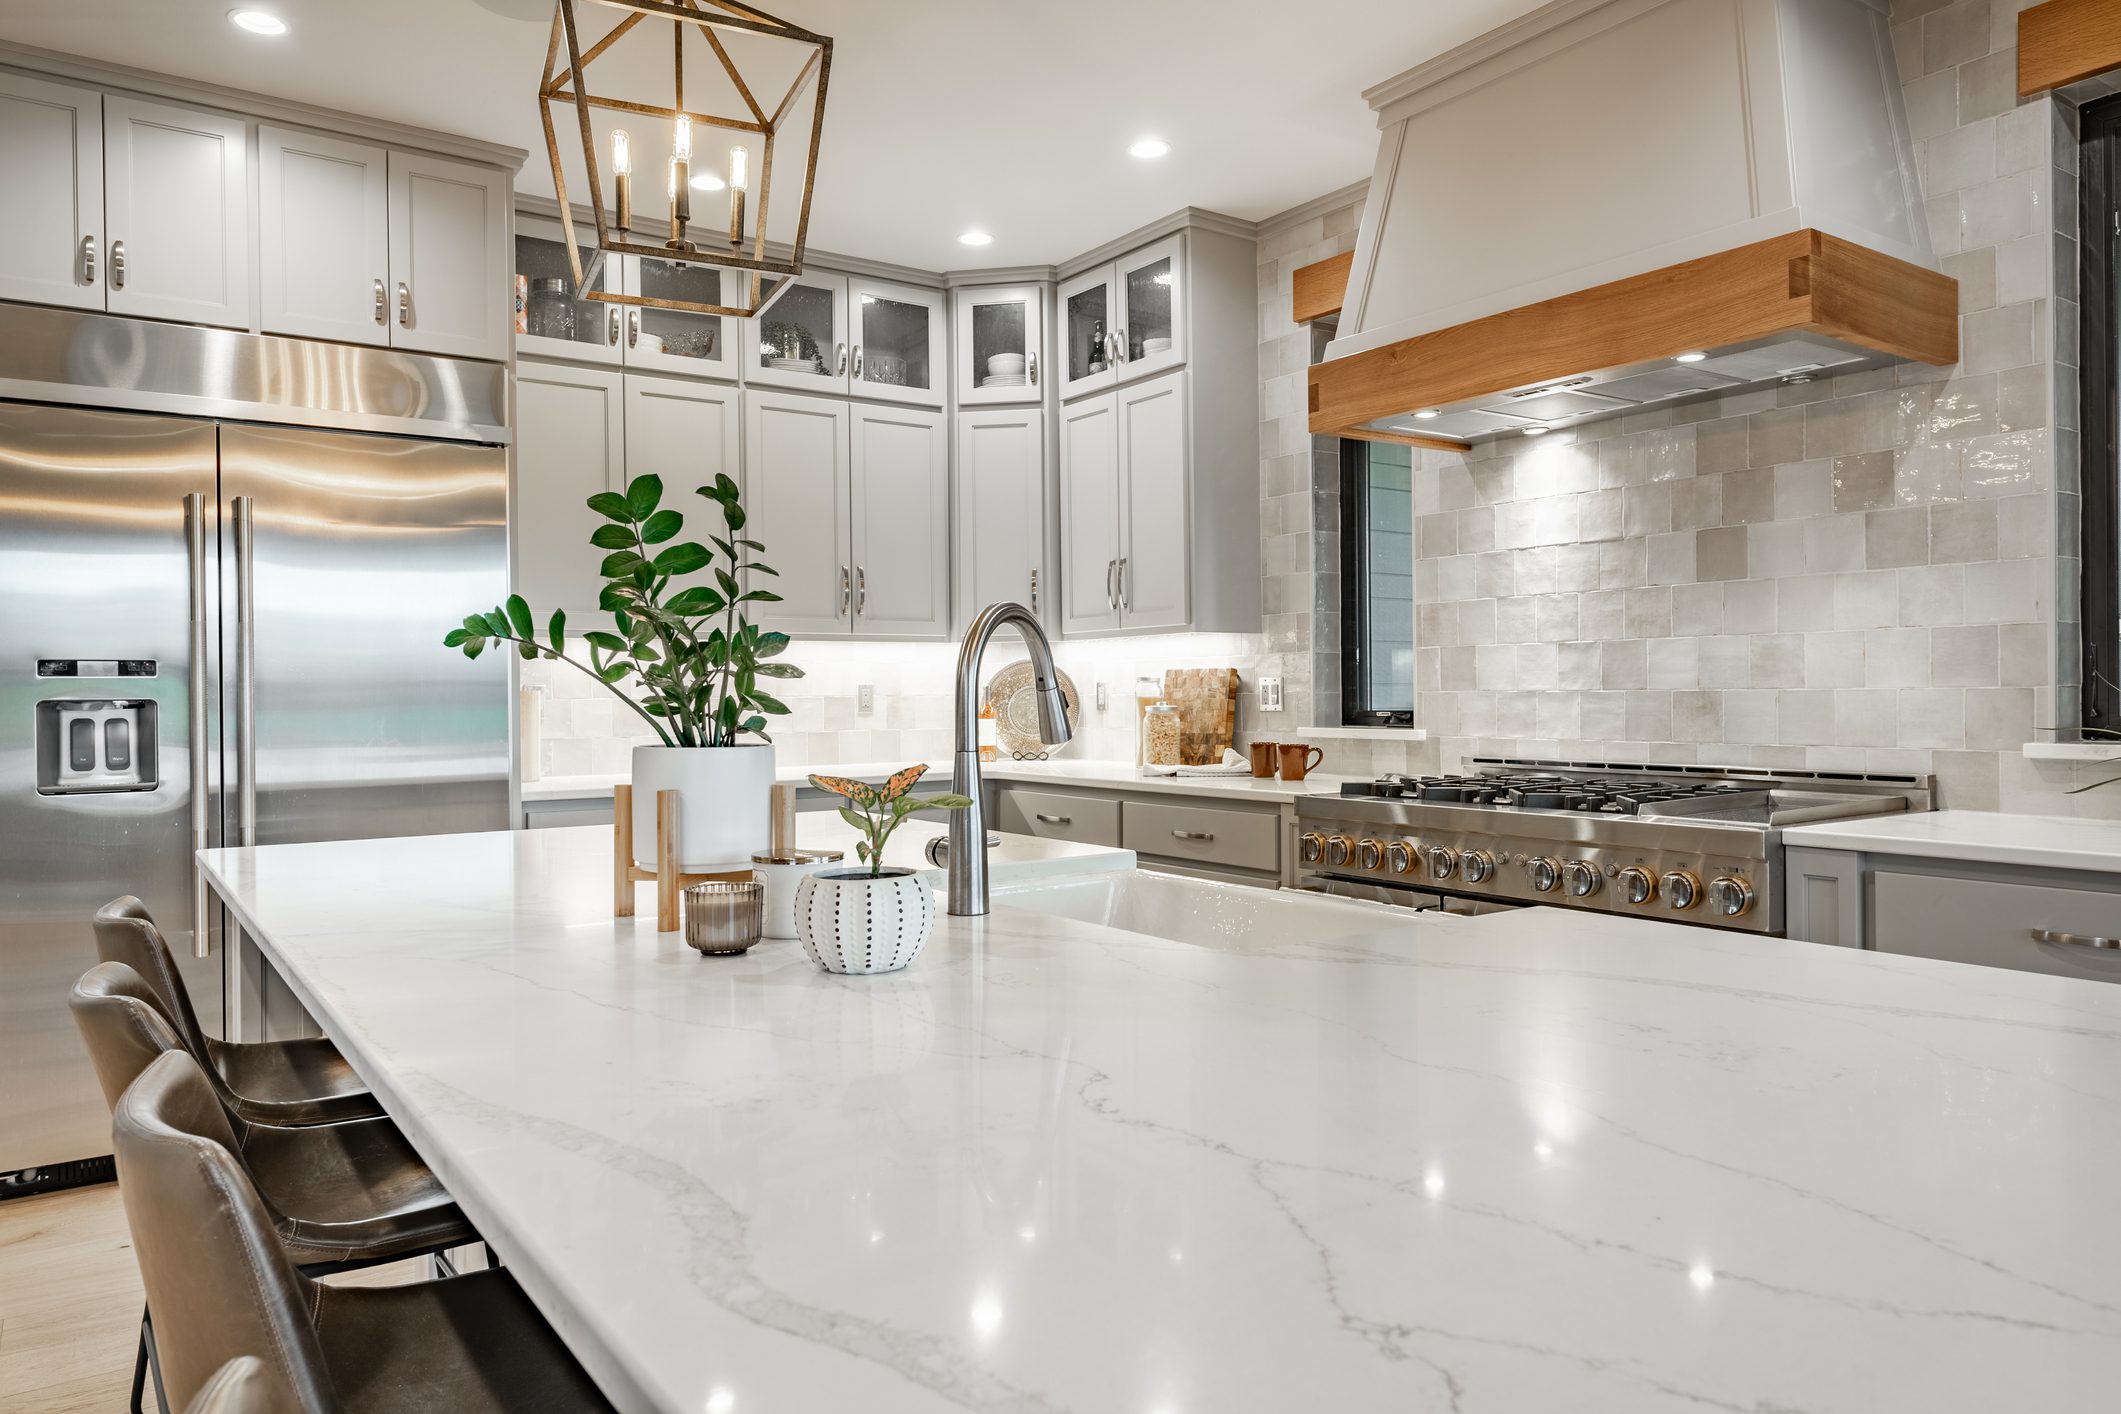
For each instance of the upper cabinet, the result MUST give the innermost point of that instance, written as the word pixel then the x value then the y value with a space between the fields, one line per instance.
pixel 1000 331
pixel 157 210
pixel 854 337
pixel 1125 320
pixel 680 340
pixel 556 322
pixel 324 237
pixel 51 168
pixel 449 257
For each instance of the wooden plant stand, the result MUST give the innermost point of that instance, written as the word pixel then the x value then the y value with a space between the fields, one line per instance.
pixel 670 881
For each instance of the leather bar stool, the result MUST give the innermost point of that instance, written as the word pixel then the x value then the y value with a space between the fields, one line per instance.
pixel 271 1082
pixel 220 1286
pixel 341 1196
pixel 238 1388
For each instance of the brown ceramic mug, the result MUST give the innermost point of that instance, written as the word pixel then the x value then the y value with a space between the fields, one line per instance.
pixel 1297 759
pixel 1263 753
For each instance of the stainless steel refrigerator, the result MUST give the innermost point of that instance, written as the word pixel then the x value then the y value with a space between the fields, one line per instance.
pixel 218 631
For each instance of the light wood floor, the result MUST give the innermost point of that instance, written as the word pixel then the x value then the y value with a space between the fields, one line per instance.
pixel 70 1302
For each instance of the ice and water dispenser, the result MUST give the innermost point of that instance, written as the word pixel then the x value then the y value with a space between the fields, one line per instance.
pixel 87 744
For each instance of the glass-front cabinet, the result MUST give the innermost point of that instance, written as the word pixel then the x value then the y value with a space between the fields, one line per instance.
pixel 897 331
pixel 801 340
pixel 681 340
pixel 999 344
pixel 551 319
pixel 1124 321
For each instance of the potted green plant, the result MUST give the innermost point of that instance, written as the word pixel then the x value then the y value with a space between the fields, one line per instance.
pixel 871 919
pixel 684 655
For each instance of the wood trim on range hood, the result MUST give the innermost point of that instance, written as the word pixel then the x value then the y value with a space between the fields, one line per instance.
pixel 1802 282
pixel 2067 40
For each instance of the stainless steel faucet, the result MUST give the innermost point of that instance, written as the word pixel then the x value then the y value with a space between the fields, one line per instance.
pixel 968 828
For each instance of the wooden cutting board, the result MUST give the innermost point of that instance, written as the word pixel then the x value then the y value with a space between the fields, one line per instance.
pixel 1206 699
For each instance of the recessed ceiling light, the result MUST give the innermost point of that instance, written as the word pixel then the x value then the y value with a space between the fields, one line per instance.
pixel 707 181
pixel 1691 356
pixel 975 238
pixel 1149 147
pixel 1537 430
pixel 1426 413
pixel 257 21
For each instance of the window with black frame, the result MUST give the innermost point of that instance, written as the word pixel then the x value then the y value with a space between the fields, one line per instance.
pixel 1377 584
pixel 2100 481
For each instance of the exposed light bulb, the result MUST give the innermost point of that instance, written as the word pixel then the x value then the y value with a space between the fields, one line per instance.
pixel 681 139
pixel 670 185
pixel 740 169
pixel 622 152
pixel 257 21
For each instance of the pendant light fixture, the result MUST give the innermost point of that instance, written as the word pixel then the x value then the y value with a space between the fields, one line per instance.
pixel 740 244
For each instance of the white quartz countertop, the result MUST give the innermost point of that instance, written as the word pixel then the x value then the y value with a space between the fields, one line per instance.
pixel 1124 775
pixel 1529 1161
pixel 2042 841
pixel 599 787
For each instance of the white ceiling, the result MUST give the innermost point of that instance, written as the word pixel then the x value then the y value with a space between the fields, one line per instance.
pixel 943 114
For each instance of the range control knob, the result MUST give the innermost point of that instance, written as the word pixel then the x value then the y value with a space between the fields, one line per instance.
pixel 1582 879
pixel 1682 890
pixel 1370 854
pixel 1443 861
pixel 1637 885
pixel 1544 872
pixel 1479 865
pixel 1730 896
pixel 1338 849
pixel 1312 845
pixel 1399 857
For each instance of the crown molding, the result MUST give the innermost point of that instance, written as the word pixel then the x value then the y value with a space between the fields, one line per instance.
pixel 240 103
pixel 1317 206
pixel 1186 218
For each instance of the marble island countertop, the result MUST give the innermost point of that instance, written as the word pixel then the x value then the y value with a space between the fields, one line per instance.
pixel 1525 1162
pixel 1062 771
pixel 1977 836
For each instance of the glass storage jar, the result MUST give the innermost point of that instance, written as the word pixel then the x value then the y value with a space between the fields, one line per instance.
pixel 551 312
pixel 1161 736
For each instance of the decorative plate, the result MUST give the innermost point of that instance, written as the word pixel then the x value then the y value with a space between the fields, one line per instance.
pixel 1015 704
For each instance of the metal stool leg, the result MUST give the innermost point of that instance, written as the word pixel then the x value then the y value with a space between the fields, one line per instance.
pixel 140 1368
pixel 154 1364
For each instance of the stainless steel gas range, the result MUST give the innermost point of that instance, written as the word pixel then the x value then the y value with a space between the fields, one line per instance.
pixel 1689 844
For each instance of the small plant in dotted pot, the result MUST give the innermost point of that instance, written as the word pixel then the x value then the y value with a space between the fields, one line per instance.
pixel 871 919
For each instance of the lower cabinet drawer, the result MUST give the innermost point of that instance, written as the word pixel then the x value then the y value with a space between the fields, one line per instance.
pixel 1204 834
pixel 1051 815
pixel 1996 924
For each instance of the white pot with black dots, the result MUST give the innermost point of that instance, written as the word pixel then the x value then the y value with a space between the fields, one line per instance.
pixel 852 922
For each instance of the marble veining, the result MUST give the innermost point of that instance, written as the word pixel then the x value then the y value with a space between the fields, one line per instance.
pixel 1529 1161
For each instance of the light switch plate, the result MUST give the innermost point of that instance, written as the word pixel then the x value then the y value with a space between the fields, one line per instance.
pixel 865 699
pixel 1270 694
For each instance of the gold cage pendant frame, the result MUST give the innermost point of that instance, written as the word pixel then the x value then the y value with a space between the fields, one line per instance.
pixel 566 82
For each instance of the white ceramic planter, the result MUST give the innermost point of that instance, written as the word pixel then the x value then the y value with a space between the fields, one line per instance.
pixel 725 803
pixel 851 923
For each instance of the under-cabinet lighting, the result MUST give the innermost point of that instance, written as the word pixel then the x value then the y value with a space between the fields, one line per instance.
pixel 1690 356
pixel 1426 413
pixel 1148 148
pixel 1537 430
pixel 257 21
pixel 975 238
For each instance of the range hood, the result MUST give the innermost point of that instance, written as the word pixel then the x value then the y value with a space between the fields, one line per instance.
pixel 1613 205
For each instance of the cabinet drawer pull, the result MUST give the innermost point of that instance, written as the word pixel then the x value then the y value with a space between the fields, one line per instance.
pixel 861 590
pixel 1125 601
pixel 117 265
pixel 1031 367
pixel 88 260
pixel 1054 819
pixel 382 317
pixel 1206 836
pixel 633 328
pixel 857 361
pixel 2075 940
pixel 611 333
pixel 404 305
pixel 839 361
pixel 846 589
pixel 1034 594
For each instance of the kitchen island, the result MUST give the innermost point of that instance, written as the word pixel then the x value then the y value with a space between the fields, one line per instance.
pixel 1524 1162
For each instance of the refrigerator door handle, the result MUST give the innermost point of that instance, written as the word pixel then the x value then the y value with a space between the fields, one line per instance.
pixel 246 678
pixel 195 563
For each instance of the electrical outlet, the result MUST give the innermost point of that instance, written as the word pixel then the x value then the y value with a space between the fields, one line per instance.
pixel 1270 694
pixel 1100 697
pixel 865 699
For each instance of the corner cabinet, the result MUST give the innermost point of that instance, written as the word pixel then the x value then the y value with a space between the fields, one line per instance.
pixel 1159 439
pixel 852 504
pixel 851 336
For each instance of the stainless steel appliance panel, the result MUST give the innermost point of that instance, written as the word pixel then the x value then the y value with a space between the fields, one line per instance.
pixel 93 572
pixel 361 552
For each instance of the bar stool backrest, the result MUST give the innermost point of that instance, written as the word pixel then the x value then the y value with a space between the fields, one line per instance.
pixel 121 1023
pixel 219 1285
pixel 125 933
pixel 239 1387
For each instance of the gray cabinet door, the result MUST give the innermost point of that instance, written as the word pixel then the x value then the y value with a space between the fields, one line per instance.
pixel 323 237
pixel 899 467
pixel 1001 462
pixel 176 194
pixel 1996 924
pixel 570 444
pixel 797 496
pixel 51 170
pixel 686 433
pixel 1155 553
pixel 450 272
pixel 1090 514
